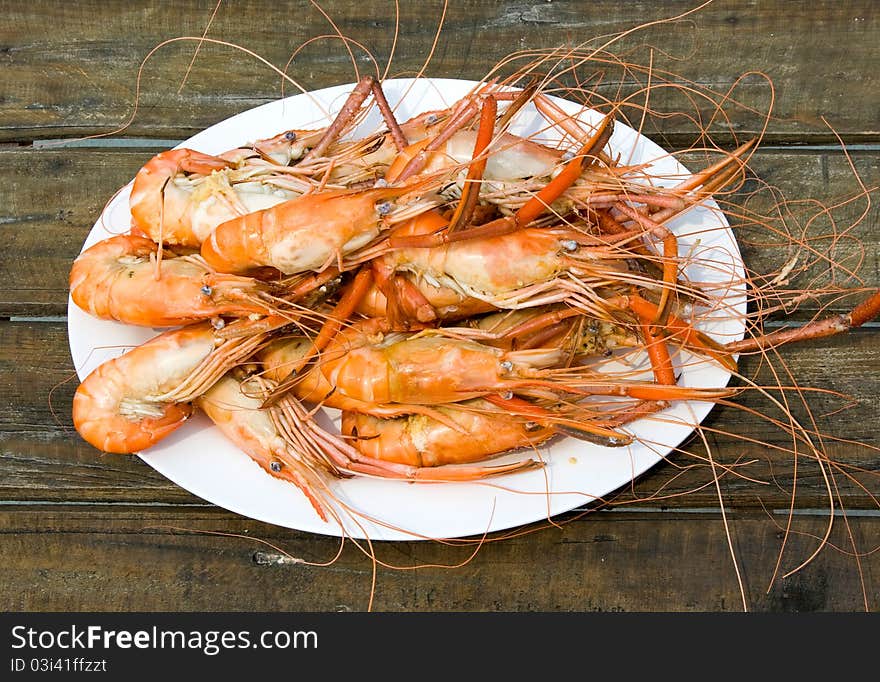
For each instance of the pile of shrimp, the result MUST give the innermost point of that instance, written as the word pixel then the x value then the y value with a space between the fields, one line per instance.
pixel 458 291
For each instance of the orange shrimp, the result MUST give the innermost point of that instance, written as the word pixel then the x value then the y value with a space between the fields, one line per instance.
pixel 397 298
pixel 368 370
pixel 116 279
pixel 422 369
pixel 531 266
pixel 181 195
pixel 237 414
pixel 131 402
pixel 365 371
pixel 422 441
pixel 287 443
pixel 311 232
pixel 516 172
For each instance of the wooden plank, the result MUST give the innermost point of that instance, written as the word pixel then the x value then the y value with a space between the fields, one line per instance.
pixel 43 458
pixel 43 234
pixel 152 559
pixel 70 68
pixel 54 198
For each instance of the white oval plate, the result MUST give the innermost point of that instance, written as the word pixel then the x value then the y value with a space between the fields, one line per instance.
pixel 198 457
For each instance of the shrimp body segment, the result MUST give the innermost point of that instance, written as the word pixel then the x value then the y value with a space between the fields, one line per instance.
pixel 428 370
pixel 485 267
pixel 502 270
pixel 116 280
pixel 367 370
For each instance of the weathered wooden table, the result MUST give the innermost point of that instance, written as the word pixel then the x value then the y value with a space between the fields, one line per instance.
pixel 81 530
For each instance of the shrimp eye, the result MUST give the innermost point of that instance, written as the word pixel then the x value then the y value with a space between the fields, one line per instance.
pixel 384 208
pixel 290 136
pixel 275 466
pixel 206 290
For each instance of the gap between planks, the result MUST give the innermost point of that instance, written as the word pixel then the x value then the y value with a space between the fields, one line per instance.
pixel 147 143
pixel 709 511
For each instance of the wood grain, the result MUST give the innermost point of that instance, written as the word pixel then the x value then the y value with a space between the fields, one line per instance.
pixel 151 559
pixel 71 69
pixel 56 195
pixel 43 458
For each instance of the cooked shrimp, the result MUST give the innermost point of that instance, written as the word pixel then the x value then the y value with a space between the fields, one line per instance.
pixel 366 369
pixel 367 365
pixel 311 232
pixel 181 195
pixel 482 430
pixel 116 279
pixel 398 298
pixel 514 169
pixel 238 416
pixel 287 443
pixel 131 402
pixel 531 266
